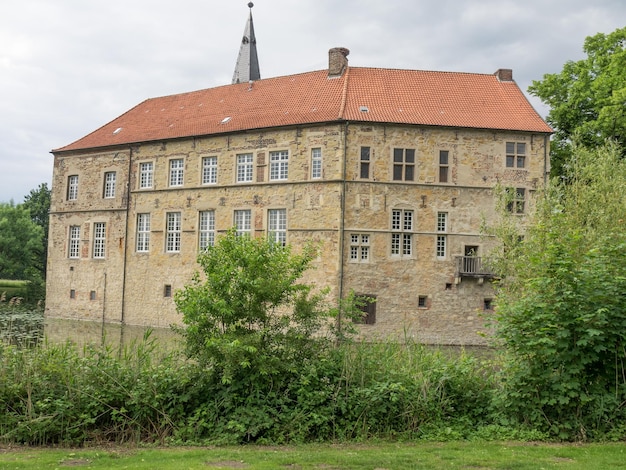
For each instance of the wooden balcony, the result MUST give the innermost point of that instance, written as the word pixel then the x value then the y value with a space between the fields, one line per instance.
pixel 473 267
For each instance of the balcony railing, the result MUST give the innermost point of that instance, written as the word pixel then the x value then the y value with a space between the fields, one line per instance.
pixel 472 266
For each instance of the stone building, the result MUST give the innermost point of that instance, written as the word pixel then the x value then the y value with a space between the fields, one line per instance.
pixel 391 171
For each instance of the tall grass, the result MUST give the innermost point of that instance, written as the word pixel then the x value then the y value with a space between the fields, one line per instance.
pixel 21 324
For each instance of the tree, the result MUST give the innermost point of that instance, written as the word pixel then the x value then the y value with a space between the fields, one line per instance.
pixel 561 307
pixel 248 316
pixel 38 204
pixel 587 99
pixel 20 243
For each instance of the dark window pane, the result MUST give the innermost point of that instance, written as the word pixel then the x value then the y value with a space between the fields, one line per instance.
pixel 398 155
pixel 397 172
pixel 510 161
pixel 443 157
pixel 443 174
pixel 510 148
pixel 409 170
pixel 521 162
pixel 365 170
pixel 365 153
pixel 410 155
pixel 521 148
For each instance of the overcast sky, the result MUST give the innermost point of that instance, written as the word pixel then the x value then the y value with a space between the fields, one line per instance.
pixel 69 66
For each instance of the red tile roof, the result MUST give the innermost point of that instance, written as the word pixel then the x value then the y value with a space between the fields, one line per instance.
pixel 388 95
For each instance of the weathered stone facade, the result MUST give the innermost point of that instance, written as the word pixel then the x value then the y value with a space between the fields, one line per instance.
pixel 418 294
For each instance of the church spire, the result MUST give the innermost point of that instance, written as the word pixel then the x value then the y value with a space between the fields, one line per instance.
pixel 247 67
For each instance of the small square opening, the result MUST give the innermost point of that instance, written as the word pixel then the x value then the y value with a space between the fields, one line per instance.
pixel 167 290
pixel 422 301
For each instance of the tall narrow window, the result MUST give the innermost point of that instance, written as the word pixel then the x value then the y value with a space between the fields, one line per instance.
pixel 364 165
pixel 143 233
pixel 72 187
pixel 403 164
pixel 244 167
pixel 443 166
pixel 146 175
pixel 515 155
pixel 243 219
pixel 207 229
pixel 402 236
pixel 359 248
pixel 99 239
pixel 316 163
pixel 277 225
pixel 173 226
pixel 442 240
pixel 177 170
pixel 74 244
pixel 279 165
pixel 209 170
pixel 109 184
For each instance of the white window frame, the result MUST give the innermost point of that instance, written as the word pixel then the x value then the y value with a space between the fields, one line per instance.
pixel 99 240
pixel 402 221
pixel 209 170
pixel 277 225
pixel 316 163
pixel 359 248
pixel 74 242
pixel 72 187
pixel 173 232
pixel 279 165
pixel 206 229
pixel 177 172
pixel 243 222
pixel 442 238
pixel 146 175
pixel 143 233
pixel 245 167
pixel 109 184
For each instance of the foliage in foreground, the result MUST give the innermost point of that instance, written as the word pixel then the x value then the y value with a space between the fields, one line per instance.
pixel 63 394
pixel 561 308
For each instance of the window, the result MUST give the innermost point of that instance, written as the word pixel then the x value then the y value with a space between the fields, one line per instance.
pixel 515 155
pixel 442 227
pixel 146 172
pixel 279 165
pixel 403 164
pixel 72 294
pixel 244 168
pixel 364 169
pixel 367 305
pixel 401 236
pixel 92 295
pixel 143 233
pixel 243 222
pixel 207 229
pixel 422 301
pixel 109 184
pixel 209 170
pixel 359 248
pixel 487 304
pixel 516 200
pixel 173 232
pixel 167 290
pixel 72 187
pixel 99 239
pixel 74 245
pixel 277 225
pixel 443 166
pixel 316 163
pixel 177 172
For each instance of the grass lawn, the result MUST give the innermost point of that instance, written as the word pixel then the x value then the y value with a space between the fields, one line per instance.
pixel 378 456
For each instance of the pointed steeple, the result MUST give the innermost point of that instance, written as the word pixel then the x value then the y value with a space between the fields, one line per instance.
pixel 247 67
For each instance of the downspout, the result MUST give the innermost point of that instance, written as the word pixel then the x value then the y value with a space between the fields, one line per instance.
pixel 125 253
pixel 545 161
pixel 342 222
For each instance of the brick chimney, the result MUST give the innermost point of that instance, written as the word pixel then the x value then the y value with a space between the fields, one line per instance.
pixel 504 75
pixel 337 61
